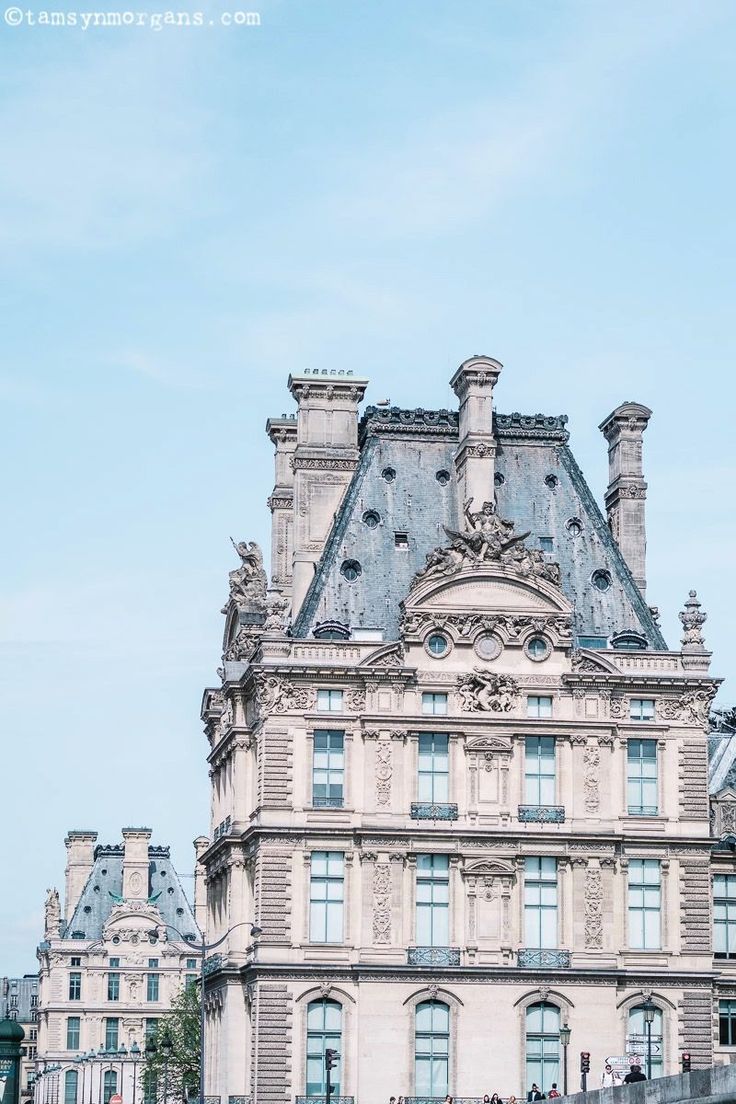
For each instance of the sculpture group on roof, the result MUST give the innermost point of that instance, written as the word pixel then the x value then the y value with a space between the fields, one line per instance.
pixel 248 582
pixel 487 539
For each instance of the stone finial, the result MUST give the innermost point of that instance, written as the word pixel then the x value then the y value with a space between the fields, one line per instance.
pixel 694 654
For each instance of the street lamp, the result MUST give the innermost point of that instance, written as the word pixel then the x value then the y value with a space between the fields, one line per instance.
pixel 203 949
pixel 166 1048
pixel 565 1033
pixel 649 1010
pixel 135 1057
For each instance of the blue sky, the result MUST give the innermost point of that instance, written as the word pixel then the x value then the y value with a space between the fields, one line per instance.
pixel 188 215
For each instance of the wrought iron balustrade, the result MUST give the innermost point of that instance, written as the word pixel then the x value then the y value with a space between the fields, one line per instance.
pixel 441 1099
pixel 427 810
pixel 324 1100
pixel 239 1100
pixel 542 814
pixel 211 964
pixel 212 1099
pixel 543 959
pixel 433 956
pixel 327 802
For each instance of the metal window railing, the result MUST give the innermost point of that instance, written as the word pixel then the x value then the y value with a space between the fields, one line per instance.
pixel 433 956
pixel 543 959
pixel 427 810
pixel 542 814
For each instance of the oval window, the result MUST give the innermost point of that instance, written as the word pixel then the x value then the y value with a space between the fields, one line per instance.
pixel 351 570
pixel 537 648
pixel 437 644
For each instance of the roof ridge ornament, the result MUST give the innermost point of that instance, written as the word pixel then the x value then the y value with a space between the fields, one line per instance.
pixel 695 656
pixel 488 539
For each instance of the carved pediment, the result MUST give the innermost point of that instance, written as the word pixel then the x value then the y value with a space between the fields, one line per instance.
pixel 489 868
pixel 390 655
pixel 490 587
pixel 584 660
pixel 487 745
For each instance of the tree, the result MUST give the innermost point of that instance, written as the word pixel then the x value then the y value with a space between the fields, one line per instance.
pixel 180 1070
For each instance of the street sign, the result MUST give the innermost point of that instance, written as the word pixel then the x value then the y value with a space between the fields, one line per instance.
pixel 116 1098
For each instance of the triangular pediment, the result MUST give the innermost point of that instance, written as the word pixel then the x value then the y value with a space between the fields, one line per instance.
pixel 489 744
pixel 728 793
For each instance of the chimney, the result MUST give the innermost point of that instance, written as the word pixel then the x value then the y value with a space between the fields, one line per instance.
pixel 201 844
pixel 324 460
pixel 80 845
pixel 473 384
pixel 627 490
pixel 135 863
pixel 282 432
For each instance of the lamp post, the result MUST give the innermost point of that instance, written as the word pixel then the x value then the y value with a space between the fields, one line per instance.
pixel 149 1052
pixel 649 1011
pixel 565 1033
pixel 122 1055
pixel 203 949
pixel 135 1056
pixel 166 1048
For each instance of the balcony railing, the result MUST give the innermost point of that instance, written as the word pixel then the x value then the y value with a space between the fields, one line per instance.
pixel 239 1100
pixel 542 814
pixel 323 1099
pixel 441 1099
pixel 543 959
pixel 426 810
pixel 433 956
pixel 327 803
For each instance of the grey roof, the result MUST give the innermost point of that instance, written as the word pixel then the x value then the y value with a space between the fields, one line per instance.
pixel 419 444
pixel 22 989
pixel 104 890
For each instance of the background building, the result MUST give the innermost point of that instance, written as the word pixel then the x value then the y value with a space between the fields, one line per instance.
pixel 110 964
pixel 19 1001
pixel 459 779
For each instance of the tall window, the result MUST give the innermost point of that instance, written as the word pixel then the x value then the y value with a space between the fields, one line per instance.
pixel 326 896
pixel 434 769
pixel 434 704
pixel 75 986
pixel 538 706
pixel 540 902
pixel 539 770
pixel 433 900
pixel 110 1085
pixel 72 1032
pixel 542 1046
pixel 727 1022
pixel 70 1087
pixel 113 987
pixel 324 1030
pixel 641 709
pixel 641 778
pixel 636 1041
pixel 329 701
pixel 152 983
pixel 724 915
pixel 645 904
pixel 150 1087
pixel 112 1033
pixel 328 768
pixel 432 1049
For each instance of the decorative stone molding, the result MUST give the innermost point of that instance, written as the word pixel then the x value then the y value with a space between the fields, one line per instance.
pixel 692 707
pixel 485 692
pixel 275 694
pixel 382 903
pixel 319 463
pixel 384 771
pixel 355 699
pixel 593 908
pixel 591 778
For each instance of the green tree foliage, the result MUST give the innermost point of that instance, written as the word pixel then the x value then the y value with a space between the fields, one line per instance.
pixel 181 1069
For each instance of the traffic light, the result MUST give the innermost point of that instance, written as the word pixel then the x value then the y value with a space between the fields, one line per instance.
pixel 585 1061
pixel 685 1063
pixel 331 1057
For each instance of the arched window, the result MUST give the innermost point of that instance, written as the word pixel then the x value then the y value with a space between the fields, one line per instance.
pixel 542 1045
pixel 70 1087
pixel 110 1085
pixel 636 1041
pixel 432 1049
pixel 324 1029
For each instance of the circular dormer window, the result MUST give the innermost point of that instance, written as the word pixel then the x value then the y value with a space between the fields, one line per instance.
pixel 537 648
pixel 351 570
pixel 443 477
pixel 437 645
pixel 601 580
pixel 389 474
pixel 372 519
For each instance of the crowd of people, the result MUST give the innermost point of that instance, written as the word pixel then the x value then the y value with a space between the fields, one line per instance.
pixel 609 1077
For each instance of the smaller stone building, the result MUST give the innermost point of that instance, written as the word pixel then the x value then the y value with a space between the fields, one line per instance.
pixel 19 1002
pixel 109 965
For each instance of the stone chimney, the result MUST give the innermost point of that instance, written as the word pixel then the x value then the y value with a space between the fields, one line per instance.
pixel 80 846
pixel 324 460
pixel 201 844
pixel 135 863
pixel 473 384
pixel 627 490
pixel 282 432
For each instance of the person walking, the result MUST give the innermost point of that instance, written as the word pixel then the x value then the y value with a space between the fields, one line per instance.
pixel 535 1093
pixel 634 1076
pixel 609 1076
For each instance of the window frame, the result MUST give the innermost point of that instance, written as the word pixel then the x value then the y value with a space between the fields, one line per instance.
pixel 535 709
pixel 641 714
pixel 541 1077
pixel 327 909
pixel 317 1038
pixel 432 900
pixel 724 915
pixel 637 781
pixel 430 700
pixel 436 1055
pixel 728 1016
pixel 540 780
pixel 112 1031
pixel 75 985
pixel 73 1031
pixel 334 700
pixel 433 768
pixel 637 907
pixel 328 761
pixel 541 907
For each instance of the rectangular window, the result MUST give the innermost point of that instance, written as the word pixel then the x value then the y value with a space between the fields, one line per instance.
pixel 75 960
pixel 539 705
pixel 75 986
pixel 540 902
pixel 727 1022
pixel 33 1034
pixel 151 1027
pixel 153 964
pixel 34 1000
pixel 71 1080
pixel 114 963
pixel 191 964
pixel 434 768
pixel 326 897
pixel 641 709
pixel 113 987
pixel 112 1033
pixel 539 770
pixel 13 1000
pixel 329 701
pixel 641 778
pixel 547 544
pixel 434 704
pixel 724 915
pixel 328 768
pixel 645 904
pixel 433 900
pixel 151 987
pixel 72 1032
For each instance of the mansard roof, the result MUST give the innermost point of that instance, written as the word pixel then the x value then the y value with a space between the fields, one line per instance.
pixel 104 889
pixel 400 477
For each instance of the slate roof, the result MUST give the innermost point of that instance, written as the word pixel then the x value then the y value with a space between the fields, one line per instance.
pixel 104 889
pixel 542 489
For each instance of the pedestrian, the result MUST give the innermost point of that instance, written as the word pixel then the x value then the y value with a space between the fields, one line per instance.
pixel 448 1099
pixel 609 1076
pixel 634 1076
pixel 487 1099
pixel 512 1100
pixel 392 1100
pixel 553 1091
pixel 496 1099
pixel 535 1093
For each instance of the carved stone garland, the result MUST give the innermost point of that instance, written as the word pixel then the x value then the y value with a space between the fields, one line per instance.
pixel 593 909
pixel 382 903
pixel 384 771
pixel 591 760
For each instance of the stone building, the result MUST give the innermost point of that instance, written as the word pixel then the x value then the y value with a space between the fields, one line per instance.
pixel 19 1002
pixel 109 965
pixel 459 779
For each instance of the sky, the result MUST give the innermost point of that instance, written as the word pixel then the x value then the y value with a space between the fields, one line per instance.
pixel 389 186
